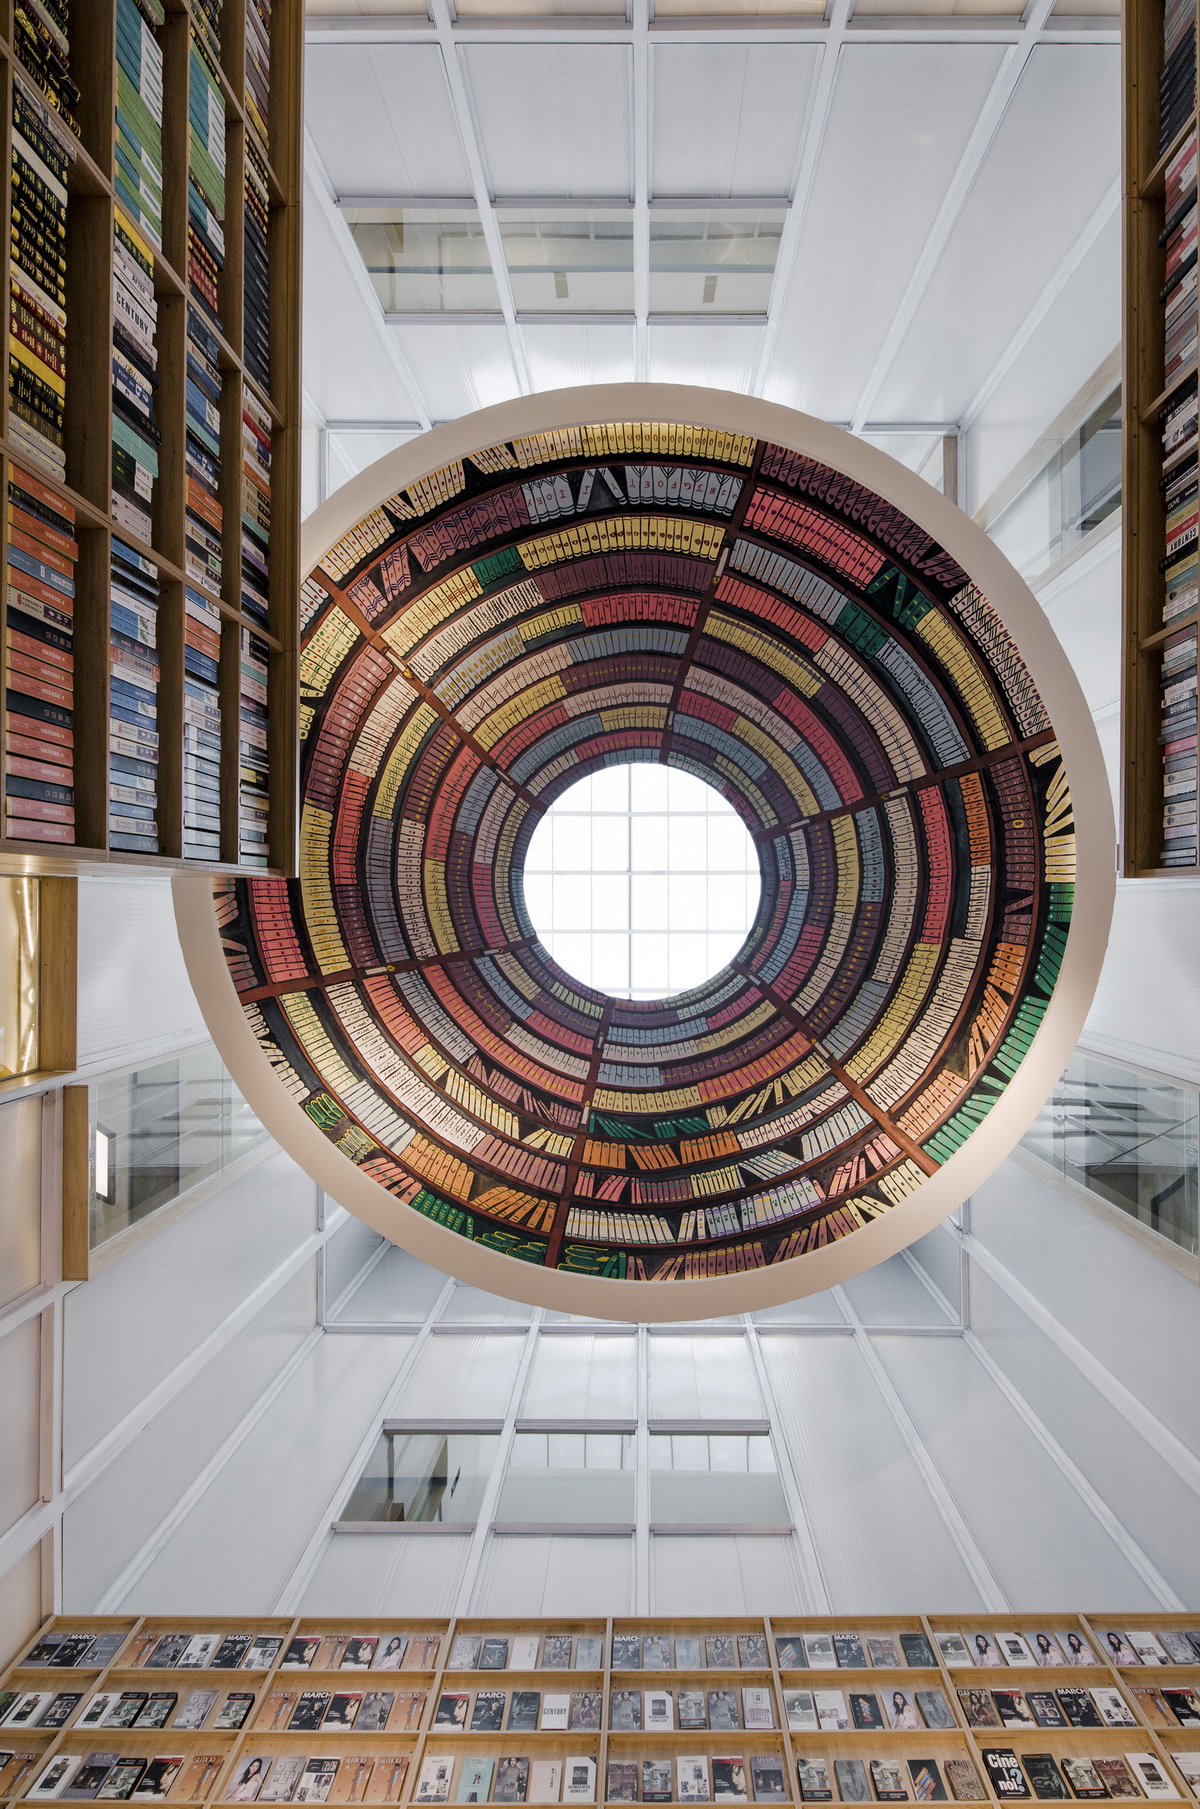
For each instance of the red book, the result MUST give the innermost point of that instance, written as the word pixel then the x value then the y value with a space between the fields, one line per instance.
pixel 38 650
pixel 34 807
pixel 41 530
pixel 27 830
pixel 42 492
pixel 31 728
pixel 39 752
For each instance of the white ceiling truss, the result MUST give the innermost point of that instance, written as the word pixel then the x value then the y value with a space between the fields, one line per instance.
pixel 772 337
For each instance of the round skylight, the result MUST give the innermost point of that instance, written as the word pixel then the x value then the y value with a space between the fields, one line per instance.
pixel 642 881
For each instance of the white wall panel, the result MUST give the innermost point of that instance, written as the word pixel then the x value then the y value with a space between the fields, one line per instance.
pixel 474 1306
pixel 702 1378
pixel 876 196
pixel 815 1309
pixel 399 1291
pixel 349 1248
pixel 881 1545
pixel 577 1377
pixel 1072 341
pixel 108 1523
pixel 460 368
pixel 378 1574
pixel 1056 153
pixel 382 120
pixel 1084 608
pixel 1147 1002
pixel 938 1255
pixel 133 986
pixel 559 1576
pixel 890 1294
pixel 1151 1500
pixel 136 1321
pixel 463 1376
pixel 20 1603
pixel 242 1540
pixel 562 356
pixel 20 1197
pixel 554 118
pixel 1042 1544
pixel 728 118
pixel 346 371
pixel 20 1420
pixel 1139 1317
pixel 722 355
pixel 726 1576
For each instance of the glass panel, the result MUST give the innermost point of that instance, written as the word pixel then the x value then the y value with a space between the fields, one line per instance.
pixel 569 260
pixel 713 260
pixel 1129 1138
pixel 426 260
pixel 571 1478
pixel 19 948
pixel 158 1131
pixel 1075 490
pixel 718 1479
pixel 424 1476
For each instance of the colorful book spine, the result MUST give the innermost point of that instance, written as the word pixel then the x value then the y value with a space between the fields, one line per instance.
pixel 39 795
pixel 132 702
pixel 258 66
pixel 201 728
pixel 256 508
pixel 138 164
pixel 206 167
pixel 204 515
pixel 1177 731
pixel 37 319
pixel 253 764
pixel 135 431
pixel 41 41
pixel 256 317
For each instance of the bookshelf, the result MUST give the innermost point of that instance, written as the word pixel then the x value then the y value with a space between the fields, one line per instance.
pixel 1160 440
pixel 602 1668
pixel 169 730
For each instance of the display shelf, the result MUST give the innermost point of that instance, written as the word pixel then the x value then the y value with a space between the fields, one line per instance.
pixel 1159 488
pixel 391 1760
pixel 133 271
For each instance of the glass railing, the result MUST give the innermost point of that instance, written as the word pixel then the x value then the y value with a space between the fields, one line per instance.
pixel 158 1131
pixel 1127 1136
pixel 1077 488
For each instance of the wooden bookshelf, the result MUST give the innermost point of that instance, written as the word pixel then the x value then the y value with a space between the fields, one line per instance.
pixel 230 1750
pixel 1148 399
pixel 86 487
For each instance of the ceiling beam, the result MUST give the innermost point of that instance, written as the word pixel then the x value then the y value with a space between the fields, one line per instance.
pixel 764 29
pixel 317 180
pixel 472 143
pixel 1004 86
pixel 641 121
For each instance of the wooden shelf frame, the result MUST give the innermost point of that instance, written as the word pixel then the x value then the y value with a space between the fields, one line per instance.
pixel 91 205
pixel 1145 397
pixel 961 1740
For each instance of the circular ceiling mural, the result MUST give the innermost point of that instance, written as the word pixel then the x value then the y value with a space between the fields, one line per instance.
pixel 653 574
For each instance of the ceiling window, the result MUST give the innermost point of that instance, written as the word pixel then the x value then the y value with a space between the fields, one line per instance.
pixel 569 260
pixel 419 1476
pixel 569 1477
pixel 425 260
pixel 713 260
pixel 714 1478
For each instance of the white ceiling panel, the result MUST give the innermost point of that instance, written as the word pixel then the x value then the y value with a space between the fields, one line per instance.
pixel 561 356
pixel 346 370
pixel 720 356
pixel 351 452
pixel 911 449
pixel 900 120
pixel 728 119
pixel 1054 157
pixel 382 120
pixel 460 368
pixel 554 118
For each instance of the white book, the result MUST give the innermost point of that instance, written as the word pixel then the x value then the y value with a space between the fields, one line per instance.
pixel 579 1780
pixel 1150 1775
pixel 1114 1710
pixel 55 1777
pixel 523 1652
pixel 556 1710
pixel 691 1778
pixel 1015 1648
pixel 98 1707
pixel 801 1711
pixel 545 1779
pixel 658 1710
pixel 1148 1648
pixel 757 1712
pixel 831 1710
pixel 433 1786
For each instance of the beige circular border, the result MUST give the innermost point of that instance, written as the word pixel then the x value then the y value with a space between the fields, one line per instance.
pixel 641 1301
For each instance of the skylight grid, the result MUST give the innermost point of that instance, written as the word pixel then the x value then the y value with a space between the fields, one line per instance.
pixel 642 881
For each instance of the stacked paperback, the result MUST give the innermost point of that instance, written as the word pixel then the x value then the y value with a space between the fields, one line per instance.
pixel 253 768
pixel 40 40
pixel 1178 237
pixel 1178 740
pixel 139 158
pixel 135 433
pixel 1177 83
pixel 206 174
pixel 258 65
pixel 201 728
pixel 256 319
pixel 39 803
pixel 37 329
pixel 133 702
pixel 256 507
pixel 202 524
